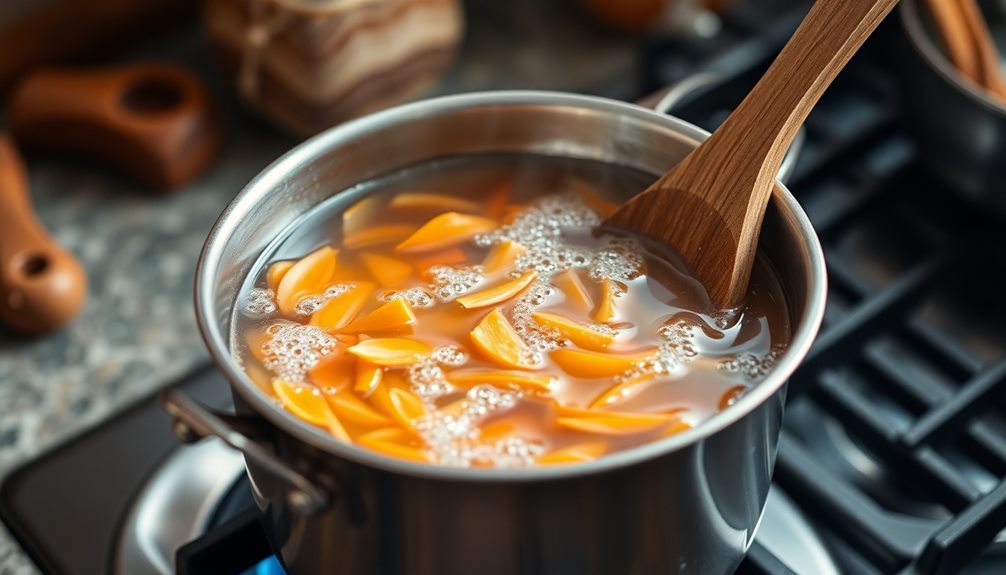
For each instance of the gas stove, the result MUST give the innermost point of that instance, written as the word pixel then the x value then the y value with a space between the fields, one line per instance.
pixel 893 451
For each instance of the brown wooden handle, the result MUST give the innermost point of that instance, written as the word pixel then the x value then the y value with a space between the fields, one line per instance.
pixel 766 121
pixel 42 286
pixel 156 122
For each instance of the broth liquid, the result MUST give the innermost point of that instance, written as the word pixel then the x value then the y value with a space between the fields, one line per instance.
pixel 695 360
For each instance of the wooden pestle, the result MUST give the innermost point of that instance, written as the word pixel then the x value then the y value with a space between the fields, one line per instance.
pixel 42 286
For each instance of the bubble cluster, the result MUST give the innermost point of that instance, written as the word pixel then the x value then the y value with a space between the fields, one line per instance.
pixel 619 260
pixel 452 355
pixel 539 228
pixel 260 302
pixel 453 438
pixel 427 377
pixel 309 304
pixel 418 297
pixel 449 282
pixel 676 350
pixel 293 349
pixel 751 366
pixel 513 453
pixel 539 338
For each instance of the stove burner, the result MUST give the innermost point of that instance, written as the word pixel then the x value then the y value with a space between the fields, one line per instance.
pixel 176 506
pixel 203 487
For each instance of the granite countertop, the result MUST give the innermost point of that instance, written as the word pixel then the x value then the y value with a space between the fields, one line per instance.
pixel 137 331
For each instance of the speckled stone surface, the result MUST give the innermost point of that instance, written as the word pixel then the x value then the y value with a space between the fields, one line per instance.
pixel 137 331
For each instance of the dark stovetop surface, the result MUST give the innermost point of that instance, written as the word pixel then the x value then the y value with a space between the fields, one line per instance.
pixel 894 442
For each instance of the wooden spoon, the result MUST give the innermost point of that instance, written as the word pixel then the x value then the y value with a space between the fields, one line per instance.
pixel 42 286
pixel 956 34
pixel 985 49
pixel 710 206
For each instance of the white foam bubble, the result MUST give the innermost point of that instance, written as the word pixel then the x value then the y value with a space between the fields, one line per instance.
pixel 260 302
pixel 293 349
pixel 451 282
pixel 418 297
pixel 751 366
pixel 307 305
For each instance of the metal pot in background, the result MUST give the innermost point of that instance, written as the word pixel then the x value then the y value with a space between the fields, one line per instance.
pixel 687 504
pixel 960 130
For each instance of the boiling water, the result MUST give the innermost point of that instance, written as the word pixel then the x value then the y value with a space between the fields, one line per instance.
pixel 693 360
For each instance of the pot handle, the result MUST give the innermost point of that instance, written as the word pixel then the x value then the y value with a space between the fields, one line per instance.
pixel 680 92
pixel 193 421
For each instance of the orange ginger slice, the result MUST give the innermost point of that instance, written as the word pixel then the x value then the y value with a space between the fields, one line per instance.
pixel 276 273
pixel 615 423
pixel 333 371
pixel 401 405
pixel 581 335
pixel 443 257
pixel 361 215
pixel 622 391
pixel 502 256
pixel 573 454
pixel 433 201
pixel 340 310
pixel 391 316
pixel 496 430
pixel 305 401
pixel 472 377
pixel 676 427
pixel 390 352
pixel 388 271
pixel 352 409
pixel 395 442
pixel 447 229
pixel 497 294
pixel 572 287
pixel 368 377
pixel 376 236
pixel 308 276
pixel 605 310
pixel 591 364
pixel 497 340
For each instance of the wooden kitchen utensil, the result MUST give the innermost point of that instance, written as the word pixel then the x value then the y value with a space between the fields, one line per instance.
pixel 42 286
pixel 155 121
pixel 989 67
pixel 710 206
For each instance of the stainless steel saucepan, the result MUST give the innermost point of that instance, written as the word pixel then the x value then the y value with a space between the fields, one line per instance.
pixel 690 503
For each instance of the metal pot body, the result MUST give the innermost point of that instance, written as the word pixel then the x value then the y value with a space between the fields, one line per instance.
pixel 959 129
pixel 687 504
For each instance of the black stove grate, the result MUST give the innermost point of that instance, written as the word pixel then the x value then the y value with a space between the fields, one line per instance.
pixel 904 387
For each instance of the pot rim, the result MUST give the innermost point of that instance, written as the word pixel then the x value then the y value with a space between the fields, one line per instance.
pixel 925 46
pixel 218 346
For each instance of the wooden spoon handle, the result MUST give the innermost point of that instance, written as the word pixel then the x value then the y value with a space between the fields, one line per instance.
pixel 989 68
pixel 767 120
pixel 155 121
pixel 956 37
pixel 42 286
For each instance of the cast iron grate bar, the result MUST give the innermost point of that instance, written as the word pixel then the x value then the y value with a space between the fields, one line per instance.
pixel 940 421
pixel 884 539
pixel 844 340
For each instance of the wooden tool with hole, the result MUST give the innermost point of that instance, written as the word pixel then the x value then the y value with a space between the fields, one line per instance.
pixel 710 206
pixel 42 286
pixel 154 121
